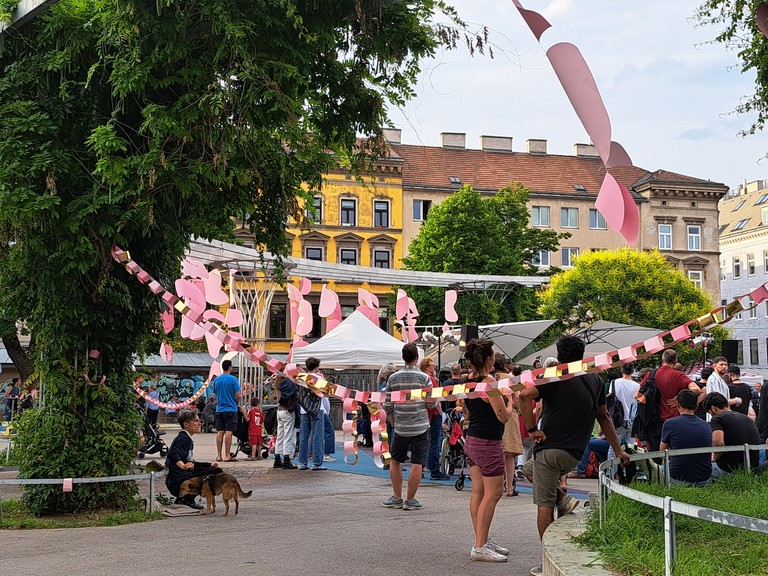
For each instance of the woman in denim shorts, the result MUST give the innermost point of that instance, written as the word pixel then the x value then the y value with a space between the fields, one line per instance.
pixel 485 451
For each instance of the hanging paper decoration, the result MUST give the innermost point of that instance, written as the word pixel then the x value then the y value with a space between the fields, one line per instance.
pixel 450 312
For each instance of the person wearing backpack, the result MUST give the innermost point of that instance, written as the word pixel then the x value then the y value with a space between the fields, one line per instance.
pixel 624 393
pixel 658 402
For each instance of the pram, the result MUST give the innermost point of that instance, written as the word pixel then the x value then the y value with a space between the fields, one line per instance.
pixel 452 452
pixel 241 434
pixel 153 441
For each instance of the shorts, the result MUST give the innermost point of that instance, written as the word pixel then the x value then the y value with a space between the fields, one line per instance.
pixel 548 466
pixel 418 445
pixel 255 439
pixel 226 421
pixel 488 455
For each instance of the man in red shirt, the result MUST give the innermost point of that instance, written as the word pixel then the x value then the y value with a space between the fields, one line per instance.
pixel 669 382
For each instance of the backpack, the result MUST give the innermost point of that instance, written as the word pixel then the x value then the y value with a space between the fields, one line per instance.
pixel 615 408
pixel 593 466
pixel 648 407
pixel 308 400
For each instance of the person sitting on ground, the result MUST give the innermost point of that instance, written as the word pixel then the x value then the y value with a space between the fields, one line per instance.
pixel 687 431
pixel 180 463
pixel 730 428
pixel 597 444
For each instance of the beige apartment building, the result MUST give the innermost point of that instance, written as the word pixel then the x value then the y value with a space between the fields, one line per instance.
pixel 678 214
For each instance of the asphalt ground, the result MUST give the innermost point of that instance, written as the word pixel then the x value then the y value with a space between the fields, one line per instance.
pixel 296 522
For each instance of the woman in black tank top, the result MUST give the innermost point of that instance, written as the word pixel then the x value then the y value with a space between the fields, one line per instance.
pixel 485 452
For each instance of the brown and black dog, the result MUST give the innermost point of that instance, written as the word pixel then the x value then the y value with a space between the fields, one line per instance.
pixel 211 486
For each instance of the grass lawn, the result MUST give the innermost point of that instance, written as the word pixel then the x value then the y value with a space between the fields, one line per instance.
pixel 15 517
pixel 632 540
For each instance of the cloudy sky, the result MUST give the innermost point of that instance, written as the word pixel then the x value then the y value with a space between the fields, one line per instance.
pixel 669 92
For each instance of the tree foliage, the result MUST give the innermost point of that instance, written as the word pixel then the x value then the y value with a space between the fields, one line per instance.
pixel 469 234
pixel 142 124
pixel 739 32
pixel 629 287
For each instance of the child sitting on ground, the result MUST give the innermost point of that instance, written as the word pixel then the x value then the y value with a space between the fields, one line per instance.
pixel 255 419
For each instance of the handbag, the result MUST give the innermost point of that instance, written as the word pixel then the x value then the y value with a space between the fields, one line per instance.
pixel 308 400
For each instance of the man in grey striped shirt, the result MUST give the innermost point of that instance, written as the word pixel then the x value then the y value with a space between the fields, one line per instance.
pixel 411 425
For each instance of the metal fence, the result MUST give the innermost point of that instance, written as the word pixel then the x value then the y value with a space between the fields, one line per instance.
pixel 671 507
pixel 151 476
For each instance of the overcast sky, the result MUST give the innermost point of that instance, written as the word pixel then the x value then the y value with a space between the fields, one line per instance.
pixel 668 91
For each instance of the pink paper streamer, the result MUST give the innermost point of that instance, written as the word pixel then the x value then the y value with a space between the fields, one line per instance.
pixel 536 22
pixel 327 302
pixel 213 292
pixel 618 157
pixel 168 320
pixel 618 208
pixel 234 318
pixel 450 302
pixel 401 306
pixel 305 286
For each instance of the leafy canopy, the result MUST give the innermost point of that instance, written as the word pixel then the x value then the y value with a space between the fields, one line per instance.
pixel 471 234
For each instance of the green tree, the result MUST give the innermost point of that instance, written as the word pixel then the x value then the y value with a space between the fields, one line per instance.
pixel 142 123
pixel 738 31
pixel 469 234
pixel 629 287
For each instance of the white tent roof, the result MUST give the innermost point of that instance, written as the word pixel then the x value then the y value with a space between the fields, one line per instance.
pixel 355 343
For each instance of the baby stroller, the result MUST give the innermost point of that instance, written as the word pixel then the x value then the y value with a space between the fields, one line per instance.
pixel 241 434
pixel 153 441
pixel 453 454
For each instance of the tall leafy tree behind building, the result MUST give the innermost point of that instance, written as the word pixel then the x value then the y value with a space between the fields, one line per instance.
pixel 140 124
pixel 470 234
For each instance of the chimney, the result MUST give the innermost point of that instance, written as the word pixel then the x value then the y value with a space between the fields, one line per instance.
pixel 393 135
pixel 536 146
pixel 453 140
pixel 585 151
pixel 496 143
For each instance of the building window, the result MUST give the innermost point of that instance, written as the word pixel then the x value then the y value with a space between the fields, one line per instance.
pixel 754 352
pixel 315 213
pixel 765 261
pixel 381 213
pixel 317 323
pixel 381 259
pixel 541 259
pixel 752 309
pixel 348 256
pixel 383 320
pixel 665 236
pixel 694 237
pixel 722 228
pixel 569 217
pixel 750 264
pixel 739 205
pixel 740 352
pixel 765 216
pixel 313 253
pixel 569 254
pixel 596 220
pixel 740 224
pixel 696 276
pixel 762 200
pixel 348 212
pixel 540 216
pixel 277 320
pixel 722 270
pixel 737 267
pixel 421 209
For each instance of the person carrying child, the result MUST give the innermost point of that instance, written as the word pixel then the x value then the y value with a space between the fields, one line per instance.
pixel 255 419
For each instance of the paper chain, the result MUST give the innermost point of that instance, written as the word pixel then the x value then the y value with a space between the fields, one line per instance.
pixel 351 398
pixel 171 405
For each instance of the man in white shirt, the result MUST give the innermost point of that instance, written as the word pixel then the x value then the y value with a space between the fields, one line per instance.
pixel 625 390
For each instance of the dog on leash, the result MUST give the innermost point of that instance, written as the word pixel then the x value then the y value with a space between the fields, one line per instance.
pixel 211 486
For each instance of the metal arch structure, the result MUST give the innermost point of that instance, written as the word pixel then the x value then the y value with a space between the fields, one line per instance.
pixel 253 279
pixel 25 11
pixel 489 288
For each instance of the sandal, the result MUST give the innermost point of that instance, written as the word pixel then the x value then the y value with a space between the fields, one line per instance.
pixel 218 459
pixel 231 460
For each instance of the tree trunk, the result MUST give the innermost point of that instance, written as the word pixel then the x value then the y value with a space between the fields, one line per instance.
pixel 18 356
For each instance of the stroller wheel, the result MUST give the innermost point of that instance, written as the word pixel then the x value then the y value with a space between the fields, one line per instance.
pixel 140 455
pixel 164 451
pixel 459 484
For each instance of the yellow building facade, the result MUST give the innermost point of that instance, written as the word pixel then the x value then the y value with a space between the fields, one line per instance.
pixel 354 222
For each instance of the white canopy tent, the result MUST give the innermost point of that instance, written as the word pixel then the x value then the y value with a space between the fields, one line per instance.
pixel 354 343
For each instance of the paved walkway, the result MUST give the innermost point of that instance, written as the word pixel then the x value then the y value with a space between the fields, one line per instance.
pixel 296 522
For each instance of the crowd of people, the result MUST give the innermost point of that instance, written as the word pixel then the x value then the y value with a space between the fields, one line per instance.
pixel 545 433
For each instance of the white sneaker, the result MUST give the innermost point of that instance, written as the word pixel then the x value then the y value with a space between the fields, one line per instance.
pixel 329 458
pixel 496 548
pixel 485 554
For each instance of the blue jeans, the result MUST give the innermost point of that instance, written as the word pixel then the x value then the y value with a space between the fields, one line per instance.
pixel 435 439
pixel 311 426
pixel 624 438
pixel 599 447
pixel 329 435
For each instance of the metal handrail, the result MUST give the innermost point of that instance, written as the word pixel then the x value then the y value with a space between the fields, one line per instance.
pixel 671 507
pixel 152 476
